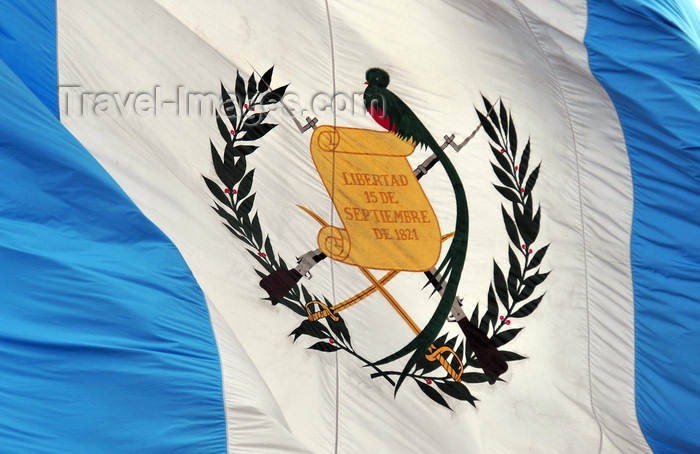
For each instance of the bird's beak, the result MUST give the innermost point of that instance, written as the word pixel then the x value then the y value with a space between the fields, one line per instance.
pixel 366 83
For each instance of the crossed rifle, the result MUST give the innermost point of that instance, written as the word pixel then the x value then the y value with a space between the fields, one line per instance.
pixel 280 282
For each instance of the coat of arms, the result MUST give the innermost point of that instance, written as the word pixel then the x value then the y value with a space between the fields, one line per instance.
pixel 386 225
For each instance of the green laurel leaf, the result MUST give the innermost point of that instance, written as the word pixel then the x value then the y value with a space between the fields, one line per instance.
pixel 274 96
pixel 528 207
pixel 504 122
pixel 440 341
pixel 223 171
pixel 266 80
pixel 457 390
pixel 291 304
pixel 240 90
pixel 246 185
pixel 238 170
pixel 232 221
pixel 254 120
pixel 504 337
pixel 268 249
pixel 499 282
pixel 530 228
pixel 532 179
pixel 307 296
pixel 260 260
pixel 492 311
pixel 508 193
pixel 467 351
pixel 256 132
pixel 527 308
pixel 246 205
pixel 530 284
pixel 511 356
pixel 524 160
pixel 493 115
pixel 235 151
pixel 484 324
pixel 217 192
pixel 511 229
pixel 487 103
pixel 257 231
pixel 503 176
pixel 324 347
pixel 252 87
pixel 245 221
pixel 488 128
pixel 537 258
pixel 474 319
pixel 513 137
pixel 432 393
pixel 240 236
pixel 500 157
pixel 514 273
pixel 223 129
pixel 309 328
pixel 451 343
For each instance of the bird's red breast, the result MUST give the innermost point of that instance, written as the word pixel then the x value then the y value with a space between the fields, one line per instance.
pixel 382 120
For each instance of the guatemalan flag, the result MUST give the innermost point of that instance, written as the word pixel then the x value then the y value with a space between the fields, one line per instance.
pixel 208 245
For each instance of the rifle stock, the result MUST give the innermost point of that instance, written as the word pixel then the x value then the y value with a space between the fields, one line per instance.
pixel 489 357
pixel 278 283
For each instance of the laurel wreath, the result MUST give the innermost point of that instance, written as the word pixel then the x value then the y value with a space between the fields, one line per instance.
pixel 510 297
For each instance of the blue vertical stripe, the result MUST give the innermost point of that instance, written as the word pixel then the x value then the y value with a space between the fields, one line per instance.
pixel 646 53
pixel 105 340
pixel 28 46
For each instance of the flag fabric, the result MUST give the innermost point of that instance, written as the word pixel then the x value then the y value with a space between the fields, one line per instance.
pixel 167 164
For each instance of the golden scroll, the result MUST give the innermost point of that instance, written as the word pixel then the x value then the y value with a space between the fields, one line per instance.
pixel 388 221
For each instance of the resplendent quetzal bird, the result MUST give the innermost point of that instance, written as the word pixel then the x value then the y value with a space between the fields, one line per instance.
pixel 394 115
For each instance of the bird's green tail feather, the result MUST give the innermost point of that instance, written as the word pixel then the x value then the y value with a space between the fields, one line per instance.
pixel 452 266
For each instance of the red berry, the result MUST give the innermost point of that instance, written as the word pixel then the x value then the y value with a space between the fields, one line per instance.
pixel 502 150
pixel 253 109
pixel 227 190
pixel 530 251
pixel 516 167
pixel 523 246
pixel 232 132
pixel 331 341
pixel 429 381
pixel 234 191
pixel 507 322
pixel 501 317
pixel 245 105
pixel 522 189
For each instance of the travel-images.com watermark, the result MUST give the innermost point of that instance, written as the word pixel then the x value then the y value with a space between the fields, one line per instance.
pixel 179 101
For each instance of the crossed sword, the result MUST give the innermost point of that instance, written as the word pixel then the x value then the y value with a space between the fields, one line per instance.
pixel 280 282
